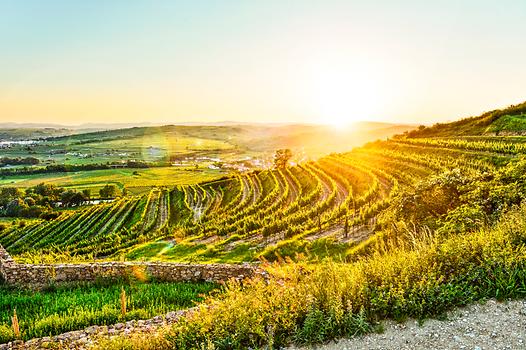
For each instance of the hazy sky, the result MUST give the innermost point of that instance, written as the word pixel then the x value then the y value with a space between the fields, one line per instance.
pixel 306 61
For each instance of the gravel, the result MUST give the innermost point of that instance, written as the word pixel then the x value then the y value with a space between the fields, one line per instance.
pixel 492 325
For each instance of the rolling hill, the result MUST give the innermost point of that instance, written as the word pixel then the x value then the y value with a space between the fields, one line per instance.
pixel 510 121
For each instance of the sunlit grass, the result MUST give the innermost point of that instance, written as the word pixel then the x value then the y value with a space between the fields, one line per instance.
pixel 311 303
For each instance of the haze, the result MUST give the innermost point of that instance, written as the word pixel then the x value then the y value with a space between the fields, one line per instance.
pixel 335 62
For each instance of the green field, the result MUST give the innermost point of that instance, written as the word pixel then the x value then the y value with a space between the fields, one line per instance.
pixel 136 180
pixel 65 308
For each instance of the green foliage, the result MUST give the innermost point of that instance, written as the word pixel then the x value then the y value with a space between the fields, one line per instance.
pixel 508 124
pixel 108 191
pixel 453 202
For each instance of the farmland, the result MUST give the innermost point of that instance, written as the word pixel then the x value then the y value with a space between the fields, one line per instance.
pixel 408 226
pixel 277 175
pixel 165 154
pixel 135 180
pixel 335 202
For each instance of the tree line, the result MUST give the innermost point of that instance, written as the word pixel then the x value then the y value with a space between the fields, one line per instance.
pixel 40 201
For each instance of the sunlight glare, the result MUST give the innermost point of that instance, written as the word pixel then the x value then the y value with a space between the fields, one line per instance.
pixel 344 94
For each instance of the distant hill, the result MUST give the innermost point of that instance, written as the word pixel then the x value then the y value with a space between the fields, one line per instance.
pixel 314 140
pixel 19 134
pixel 500 122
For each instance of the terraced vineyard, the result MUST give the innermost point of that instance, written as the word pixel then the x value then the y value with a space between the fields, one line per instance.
pixel 340 197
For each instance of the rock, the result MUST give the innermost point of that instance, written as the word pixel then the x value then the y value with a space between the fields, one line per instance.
pixel 91 330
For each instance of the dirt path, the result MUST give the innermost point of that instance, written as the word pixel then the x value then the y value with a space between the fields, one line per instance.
pixel 246 191
pixel 197 208
pixel 326 187
pixel 293 190
pixel 162 217
pixel 257 190
pixel 493 325
pixel 356 234
pixel 218 199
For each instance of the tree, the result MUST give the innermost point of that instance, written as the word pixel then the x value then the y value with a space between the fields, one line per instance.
pixel 72 198
pixel 87 193
pixel 7 194
pixel 108 191
pixel 45 193
pixel 14 207
pixel 282 157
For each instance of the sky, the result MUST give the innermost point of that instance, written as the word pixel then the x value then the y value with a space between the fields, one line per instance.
pixel 326 61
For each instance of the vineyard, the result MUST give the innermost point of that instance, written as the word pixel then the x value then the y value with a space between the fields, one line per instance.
pixel 338 199
pixel 230 175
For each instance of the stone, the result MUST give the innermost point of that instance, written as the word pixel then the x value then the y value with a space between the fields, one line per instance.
pixel 43 274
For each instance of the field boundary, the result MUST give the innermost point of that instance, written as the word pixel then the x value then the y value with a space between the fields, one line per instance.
pixel 17 274
pixel 83 338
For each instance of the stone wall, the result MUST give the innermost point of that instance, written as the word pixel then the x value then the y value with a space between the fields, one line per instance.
pixel 45 274
pixel 5 260
pixel 86 338
pixel 4 256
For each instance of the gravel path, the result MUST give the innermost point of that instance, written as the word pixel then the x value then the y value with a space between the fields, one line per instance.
pixel 493 325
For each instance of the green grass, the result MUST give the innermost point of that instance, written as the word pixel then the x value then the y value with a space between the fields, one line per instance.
pixel 148 251
pixel 303 249
pixel 179 252
pixel 121 145
pixel 215 253
pixel 65 308
pixel 184 252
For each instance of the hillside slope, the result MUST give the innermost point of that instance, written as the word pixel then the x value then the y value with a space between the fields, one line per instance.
pixel 500 122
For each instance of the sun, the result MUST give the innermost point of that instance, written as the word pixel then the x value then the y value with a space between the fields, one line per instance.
pixel 342 94
pixel 346 98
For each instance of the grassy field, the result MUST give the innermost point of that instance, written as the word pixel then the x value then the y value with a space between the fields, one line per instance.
pixel 163 144
pixel 64 308
pixel 130 178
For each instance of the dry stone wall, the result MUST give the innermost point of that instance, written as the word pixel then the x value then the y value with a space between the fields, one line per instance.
pixel 85 338
pixel 45 274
